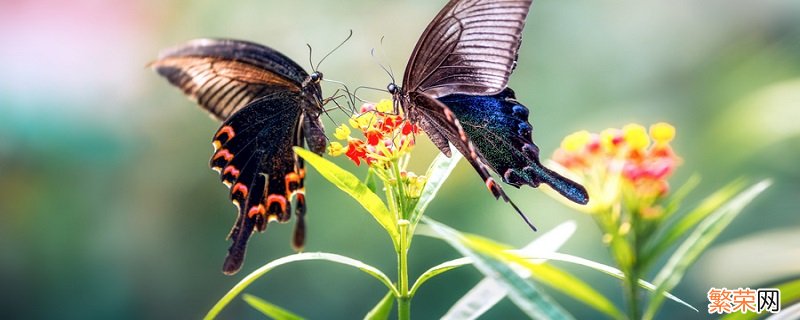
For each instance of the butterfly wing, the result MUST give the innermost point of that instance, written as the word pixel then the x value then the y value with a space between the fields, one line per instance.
pixel 255 159
pixel 438 116
pixel 470 47
pixel 259 94
pixel 499 128
pixel 224 75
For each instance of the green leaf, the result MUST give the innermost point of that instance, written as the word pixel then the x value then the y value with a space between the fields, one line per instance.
pixel 269 309
pixel 553 277
pixel 669 236
pixel 522 292
pixel 437 270
pixel 609 270
pixel 697 242
pixel 488 292
pixel 370 181
pixel 350 184
pixel 382 310
pixel 437 173
pixel 677 197
pixel 253 276
pixel 790 292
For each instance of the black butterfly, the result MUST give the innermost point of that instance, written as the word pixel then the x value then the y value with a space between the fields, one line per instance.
pixel 455 88
pixel 268 104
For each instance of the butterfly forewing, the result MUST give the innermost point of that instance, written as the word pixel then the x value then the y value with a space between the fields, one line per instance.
pixel 224 75
pixel 470 47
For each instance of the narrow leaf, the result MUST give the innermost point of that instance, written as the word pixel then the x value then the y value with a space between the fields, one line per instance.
pixel 555 278
pixel 669 236
pixel 350 184
pixel 253 276
pixel 702 236
pixel 382 310
pixel 488 292
pixel 522 292
pixel 609 270
pixel 371 181
pixel 677 197
pixel 438 172
pixel 269 309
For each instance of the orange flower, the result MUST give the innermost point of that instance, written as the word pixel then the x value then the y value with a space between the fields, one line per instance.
pixel 621 162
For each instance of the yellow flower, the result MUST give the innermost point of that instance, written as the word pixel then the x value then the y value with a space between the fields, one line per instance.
pixel 662 132
pixel 342 132
pixel 336 149
pixel 385 106
pixel 576 141
pixel 636 136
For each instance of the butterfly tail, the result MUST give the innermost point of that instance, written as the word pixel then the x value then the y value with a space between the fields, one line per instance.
pixel 536 173
pixel 241 232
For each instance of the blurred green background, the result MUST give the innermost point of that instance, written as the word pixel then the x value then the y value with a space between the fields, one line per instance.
pixel 108 208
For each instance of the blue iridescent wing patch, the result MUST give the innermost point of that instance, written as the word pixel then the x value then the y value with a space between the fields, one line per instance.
pixel 498 127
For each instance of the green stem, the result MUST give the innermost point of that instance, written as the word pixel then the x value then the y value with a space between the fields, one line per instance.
pixel 631 279
pixel 404 299
pixel 401 192
pixel 632 293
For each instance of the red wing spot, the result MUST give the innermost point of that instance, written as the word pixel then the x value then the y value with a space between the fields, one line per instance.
pixel 281 200
pixel 239 187
pixel 223 153
pixel 490 184
pixel 228 131
pixel 448 114
pixel 232 171
pixel 256 210
pixel 292 178
pixel 493 187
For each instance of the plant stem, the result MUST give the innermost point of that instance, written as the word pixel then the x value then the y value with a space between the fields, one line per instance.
pixel 401 206
pixel 632 293
pixel 404 300
pixel 631 279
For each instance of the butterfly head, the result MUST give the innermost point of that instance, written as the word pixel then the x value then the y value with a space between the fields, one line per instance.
pixel 315 77
pixel 393 89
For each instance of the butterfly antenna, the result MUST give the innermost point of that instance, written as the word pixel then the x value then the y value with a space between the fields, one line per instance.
pixel 372 53
pixel 383 55
pixel 337 47
pixel 310 52
pixel 355 92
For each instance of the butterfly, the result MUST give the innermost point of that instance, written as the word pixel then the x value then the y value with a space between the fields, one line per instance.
pixel 455 88
pixel 267 104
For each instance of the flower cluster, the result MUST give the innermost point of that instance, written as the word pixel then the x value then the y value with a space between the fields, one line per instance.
pixel 386 136
pixel 625 162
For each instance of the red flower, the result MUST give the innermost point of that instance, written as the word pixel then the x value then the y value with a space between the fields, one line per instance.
pixel 356 150
pixel 373 137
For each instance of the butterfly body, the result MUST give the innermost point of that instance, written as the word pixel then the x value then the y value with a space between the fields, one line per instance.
pixel 268 104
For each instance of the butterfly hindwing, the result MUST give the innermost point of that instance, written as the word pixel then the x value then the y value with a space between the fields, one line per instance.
pixel 499 128
pixel 261 168
pixel 437 117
